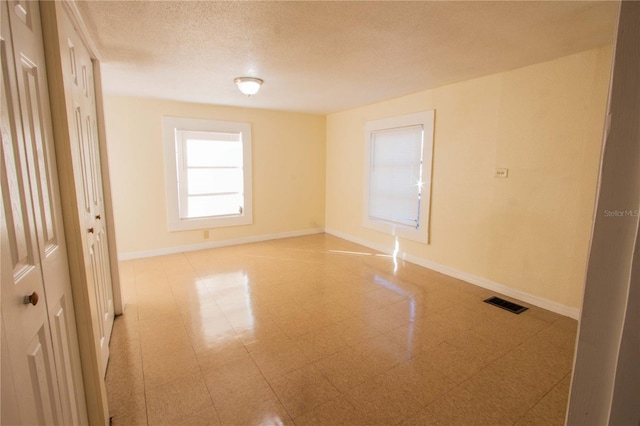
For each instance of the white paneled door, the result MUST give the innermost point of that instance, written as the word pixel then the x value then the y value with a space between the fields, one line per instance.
pixel 81 104
pixel 41 377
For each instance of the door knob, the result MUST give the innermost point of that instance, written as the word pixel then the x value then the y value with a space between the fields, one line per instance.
pixel 90 230
pixel 31 299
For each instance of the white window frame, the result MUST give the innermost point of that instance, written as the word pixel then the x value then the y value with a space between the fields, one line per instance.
pixel 419 233
pixel 171 144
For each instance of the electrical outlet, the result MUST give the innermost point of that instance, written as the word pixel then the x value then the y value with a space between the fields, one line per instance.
pixel 501 173
pixel 206 234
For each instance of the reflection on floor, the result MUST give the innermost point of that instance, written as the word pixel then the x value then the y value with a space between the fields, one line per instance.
pixel 316 330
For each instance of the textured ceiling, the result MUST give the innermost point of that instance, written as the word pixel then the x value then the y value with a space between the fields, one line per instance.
pixel 323 57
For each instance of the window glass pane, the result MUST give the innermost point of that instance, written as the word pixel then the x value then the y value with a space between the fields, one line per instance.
pixel 213 205
pixel 213 153
pixel 207 173
pixel 211 181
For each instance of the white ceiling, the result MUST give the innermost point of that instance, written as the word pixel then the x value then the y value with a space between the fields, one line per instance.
pixel 323 57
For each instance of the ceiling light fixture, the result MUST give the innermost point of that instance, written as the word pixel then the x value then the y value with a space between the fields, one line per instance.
pixel 248 85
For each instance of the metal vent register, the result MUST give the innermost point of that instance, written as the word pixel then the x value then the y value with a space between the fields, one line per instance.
pixel 506 305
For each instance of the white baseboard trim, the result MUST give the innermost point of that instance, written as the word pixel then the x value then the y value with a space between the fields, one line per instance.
pixel 215 244
pixel 472 279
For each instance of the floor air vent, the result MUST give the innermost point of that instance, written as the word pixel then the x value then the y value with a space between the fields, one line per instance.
pixel 506 305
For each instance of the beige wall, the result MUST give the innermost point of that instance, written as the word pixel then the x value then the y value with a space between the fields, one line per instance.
pixel 529 232
pixel 288 153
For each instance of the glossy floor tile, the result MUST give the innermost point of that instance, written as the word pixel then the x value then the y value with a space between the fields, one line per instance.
pixel 316 330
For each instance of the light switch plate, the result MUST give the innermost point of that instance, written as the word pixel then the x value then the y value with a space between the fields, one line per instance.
pixel 501 173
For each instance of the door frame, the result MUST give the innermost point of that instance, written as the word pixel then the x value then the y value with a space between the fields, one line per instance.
pixel 52 14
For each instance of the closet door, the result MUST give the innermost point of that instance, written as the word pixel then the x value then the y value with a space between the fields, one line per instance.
pixel 25 326
pixel 77 72
pixel 37 307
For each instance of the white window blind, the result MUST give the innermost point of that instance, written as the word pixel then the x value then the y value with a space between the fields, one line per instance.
pixel 398 157
pixel 395 181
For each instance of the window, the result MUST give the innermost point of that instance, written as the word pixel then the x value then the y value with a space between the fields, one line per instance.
pixel 398 175
pixel 208 173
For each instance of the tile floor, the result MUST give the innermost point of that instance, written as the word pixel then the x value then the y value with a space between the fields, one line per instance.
pixel 316 330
